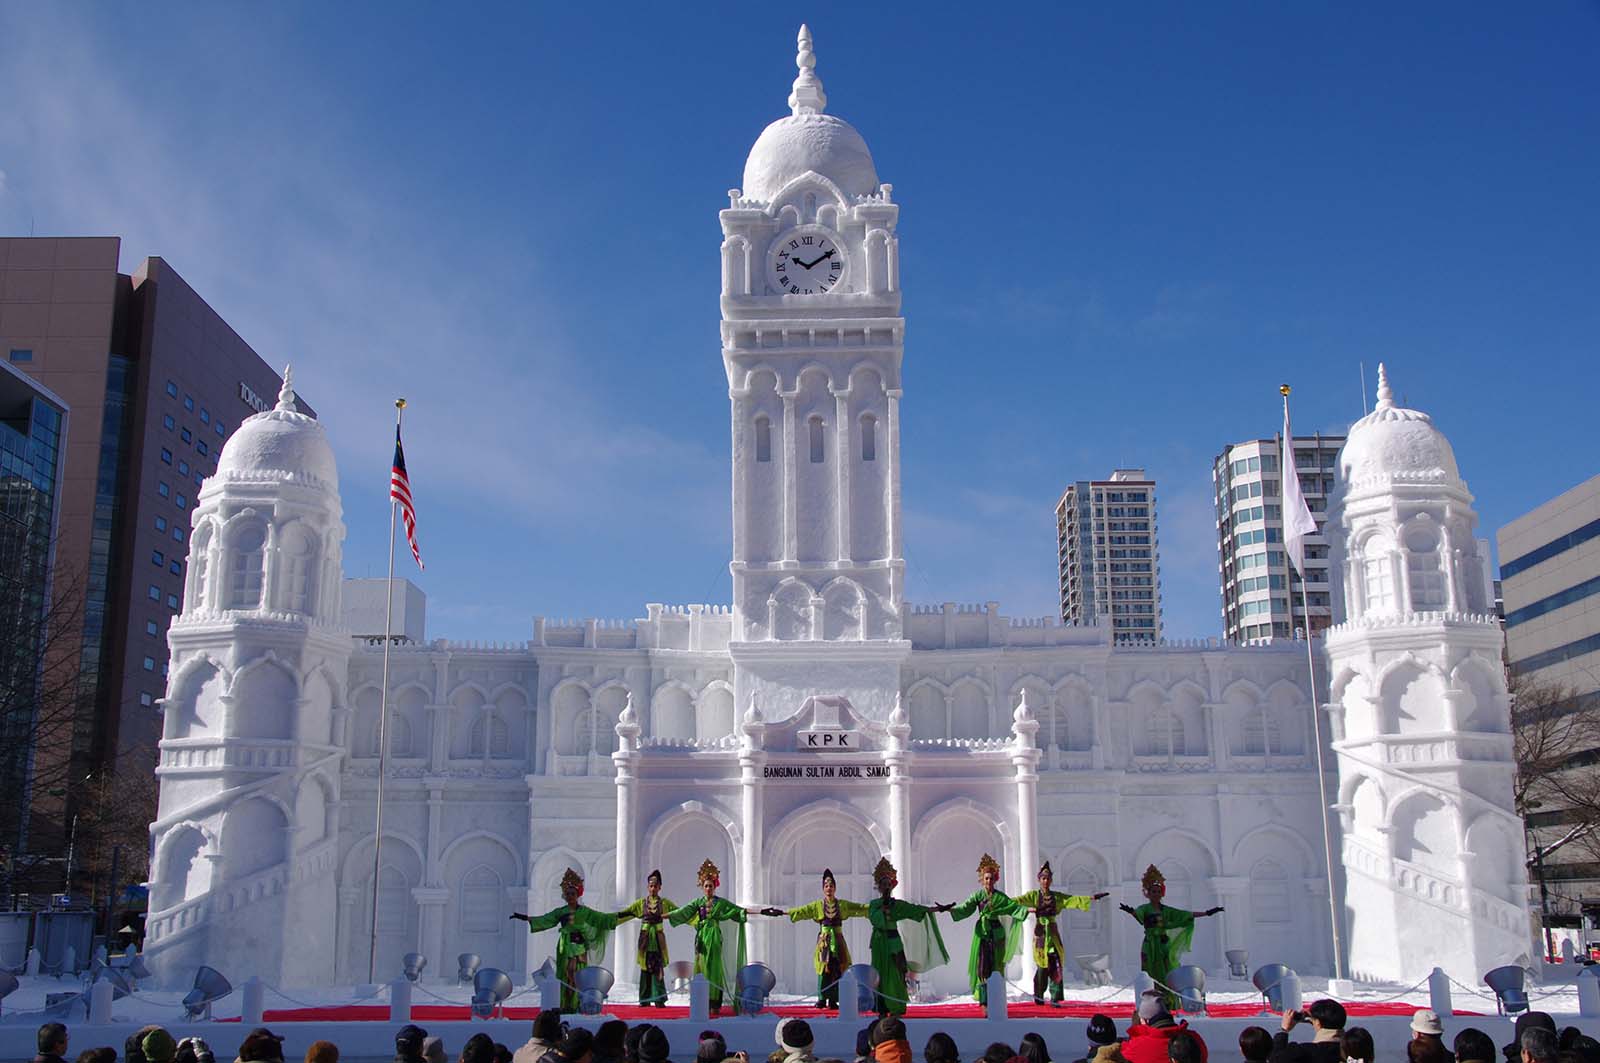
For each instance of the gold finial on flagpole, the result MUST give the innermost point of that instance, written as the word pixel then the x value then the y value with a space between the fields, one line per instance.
pixel 1283 389
pixel 399 404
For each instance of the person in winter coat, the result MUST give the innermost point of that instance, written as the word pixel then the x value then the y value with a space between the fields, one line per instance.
pixel 408 1044
pixel 1472 1045
pixel 546 1032
pixel 941 1048
pixel 1101 1031
pixel 888 1041
pixel 1150 1041
pixel 52 1042
pixel 1326 1018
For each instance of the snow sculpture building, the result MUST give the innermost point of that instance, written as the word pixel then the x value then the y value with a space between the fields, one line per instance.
pixel 820 720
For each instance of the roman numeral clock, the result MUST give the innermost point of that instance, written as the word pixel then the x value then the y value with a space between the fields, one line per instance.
pixel 806 261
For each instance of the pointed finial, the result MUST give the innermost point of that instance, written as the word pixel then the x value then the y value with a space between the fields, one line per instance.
pixel 1385 396
pixel 629 714
pixel 807 96
pixel 286 393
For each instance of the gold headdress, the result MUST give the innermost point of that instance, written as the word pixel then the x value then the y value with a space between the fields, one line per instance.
pixel 1044 869
pixel 884 873
pixel 571 882
pixel 988 864
pixel 709 873
pixel 1152 877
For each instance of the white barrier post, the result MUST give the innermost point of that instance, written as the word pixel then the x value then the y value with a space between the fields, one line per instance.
pixel 1589 992
pixel 69 961
pixel 995 990
pixel 549 991
pixel 400 1000
pixel 849 997
pixel 100 995
pixel 1439 994
pixel 253 997
pixel 34 960
pixel 699 999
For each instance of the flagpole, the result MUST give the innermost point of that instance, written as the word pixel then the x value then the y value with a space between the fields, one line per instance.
pixel 1291 469
pixel 383 717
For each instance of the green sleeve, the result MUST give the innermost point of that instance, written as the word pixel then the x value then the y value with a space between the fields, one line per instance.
pixel 906 910
pixel 679 916
pixel 632 911
pixel 805 912
pixel 1005 905
pixel 1178 919
pixel 851 910
pixel 966 907
pixel 727 910
pixel 1027 900
pixel 547 921
pixel 606 921
pixel 1073 900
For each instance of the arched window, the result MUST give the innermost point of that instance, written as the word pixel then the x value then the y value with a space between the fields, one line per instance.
pixel 245 567
pixel 296 588
pixel 869 437
pixel 491 727
pixel 1423 571
pixel 763 438
pixel 482 897
pixel 815 425
pixel 1378 583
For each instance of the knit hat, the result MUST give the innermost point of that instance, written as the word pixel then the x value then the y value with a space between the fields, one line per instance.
pixel 1529 1020
pixel 433 1050
pixel 887 1028
pixel 158 1046
pixel 794 1034
pixel 575 1044
pixel 410 1039
pixel 1426 1020
pixel 653 1046
pixel 1152 1007
pixel 1102 1031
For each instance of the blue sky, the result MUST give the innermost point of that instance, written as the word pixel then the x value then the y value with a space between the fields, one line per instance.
pixel 1160 212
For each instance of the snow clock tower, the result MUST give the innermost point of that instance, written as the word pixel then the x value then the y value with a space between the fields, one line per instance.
pixel 812 341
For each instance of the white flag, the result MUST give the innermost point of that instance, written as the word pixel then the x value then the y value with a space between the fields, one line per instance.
pixel 1297 520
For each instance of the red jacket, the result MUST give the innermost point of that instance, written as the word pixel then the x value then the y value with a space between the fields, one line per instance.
pixel 1148 1044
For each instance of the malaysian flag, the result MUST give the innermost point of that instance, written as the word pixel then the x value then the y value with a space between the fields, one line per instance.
pixel 400 491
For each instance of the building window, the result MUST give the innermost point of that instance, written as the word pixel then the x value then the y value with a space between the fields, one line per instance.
pixel 183 467
pixel 175 567
pixel 244 573
pixel 145 699
pixel 21 354
pixel 205 415
pixel 166 456
pixel 181 501
pixel 188 403
pixel 167 422
pixel 1378 581
pixel 869 437
pixel 186 435
pixel 202 447
pixel 763 438
pixel 155 593
pixel 815 426
pixel 161 524
pixel 149 664
pixel 157 558
pixel 220 429
pixel 172 389
pixel 151 628
pixel 199 478
pixel 177 535
pixel 172 603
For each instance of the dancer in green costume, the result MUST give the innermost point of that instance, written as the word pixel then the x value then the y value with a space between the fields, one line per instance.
pixel 1168 932
pixel 714 954
pixel 990 951
pixel 651 910
pixel 1048 954
pixel 905 940
pixel 833 953
pixel 581 935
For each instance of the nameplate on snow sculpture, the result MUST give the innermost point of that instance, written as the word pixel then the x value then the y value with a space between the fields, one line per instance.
pixel 828 741
pixel 843 773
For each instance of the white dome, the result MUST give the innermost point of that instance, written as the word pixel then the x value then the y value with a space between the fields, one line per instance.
pixel 1393 441
pixel 800 143
pixel 281 440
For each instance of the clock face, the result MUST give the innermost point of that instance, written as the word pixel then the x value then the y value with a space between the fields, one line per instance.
pixel 806 261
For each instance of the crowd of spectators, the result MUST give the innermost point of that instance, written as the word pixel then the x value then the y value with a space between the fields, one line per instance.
pixel 1153 1036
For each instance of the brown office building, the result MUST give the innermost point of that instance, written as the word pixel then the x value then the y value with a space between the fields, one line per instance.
pixel 155 380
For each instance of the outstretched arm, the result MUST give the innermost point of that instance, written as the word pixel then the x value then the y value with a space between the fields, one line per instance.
pixel 1131 911
pixel 1212 911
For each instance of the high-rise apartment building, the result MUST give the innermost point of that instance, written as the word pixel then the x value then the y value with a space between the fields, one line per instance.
pixel 1260 595
pixel 33 424
pixel 1106 550
pixel 155 380
pixel 1550 579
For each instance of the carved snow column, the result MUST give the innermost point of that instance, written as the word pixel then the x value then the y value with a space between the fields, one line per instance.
pixel 752 758
pixel 791 504
pixel 626 760
pixel 891 504
pixel 897 758
pixel 1025 759
pixel 844 465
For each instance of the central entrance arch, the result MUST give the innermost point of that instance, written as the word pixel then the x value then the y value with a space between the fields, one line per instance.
pixel 822 836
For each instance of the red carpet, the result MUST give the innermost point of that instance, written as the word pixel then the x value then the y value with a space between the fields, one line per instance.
pixel 425 1013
